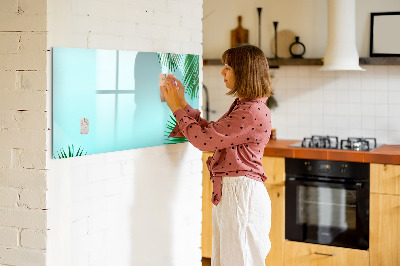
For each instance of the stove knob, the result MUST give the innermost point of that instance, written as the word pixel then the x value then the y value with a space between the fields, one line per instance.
pixel 343 168
pixel 308 166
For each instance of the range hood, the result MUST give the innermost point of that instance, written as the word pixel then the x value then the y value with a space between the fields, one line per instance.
pixel 341 51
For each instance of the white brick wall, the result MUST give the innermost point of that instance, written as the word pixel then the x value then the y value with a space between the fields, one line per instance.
pixel 136 207
pixel 99 206
pixel 23 125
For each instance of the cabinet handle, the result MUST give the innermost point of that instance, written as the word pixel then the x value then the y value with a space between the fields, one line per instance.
pixel 325 254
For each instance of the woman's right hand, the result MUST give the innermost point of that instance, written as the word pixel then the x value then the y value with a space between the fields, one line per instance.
pixel 181 91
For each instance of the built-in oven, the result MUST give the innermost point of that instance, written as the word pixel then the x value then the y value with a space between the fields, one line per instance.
pixel 327 202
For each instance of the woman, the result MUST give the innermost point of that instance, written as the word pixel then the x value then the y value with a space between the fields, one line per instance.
pixel 242 208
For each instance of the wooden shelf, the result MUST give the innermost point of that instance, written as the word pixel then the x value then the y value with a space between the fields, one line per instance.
pixel 380 61
pixel 273 63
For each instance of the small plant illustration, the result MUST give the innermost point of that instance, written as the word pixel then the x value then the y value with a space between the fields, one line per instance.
pixel 171 123
pixel 71 152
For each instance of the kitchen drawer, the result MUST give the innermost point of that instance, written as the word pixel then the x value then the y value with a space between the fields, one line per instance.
pixel 305 254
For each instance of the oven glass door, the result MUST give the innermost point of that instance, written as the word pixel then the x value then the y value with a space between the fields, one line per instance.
pixel 326 213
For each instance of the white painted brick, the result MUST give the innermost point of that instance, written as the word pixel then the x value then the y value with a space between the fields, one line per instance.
pixel 33 199
pixel 34 120
pixel 179 7
pixel 134 17
pixel 33 239
pixel 17 256
pixel 97 173
pixel 5 158
pixel 34 140
pixel 31 80
pixel 23 22
pixel 16 158
pixel 114 186
pixel 164 46
pixel 23 178
pixel 196 38
pixel 9 237
pixel 153 32
pixel 101 10
pixel 79 176
pixel 128 168
pixel 9 42
pixel 190 47
pixel 31 55
pixel 33 159
pixel 22 218
pixel 98 222
pixel 149 6
pixel 197 166
pixel 23 100
pixel 8 197
pixel 107 41
pixel 8 6
pixel 36 7
pixel 191 23
pixel 137 44
pixel 7 80
pixel 80 228
pixel 197 10
pixel 168 19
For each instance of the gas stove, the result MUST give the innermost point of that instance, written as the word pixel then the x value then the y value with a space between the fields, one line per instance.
pixel 332 142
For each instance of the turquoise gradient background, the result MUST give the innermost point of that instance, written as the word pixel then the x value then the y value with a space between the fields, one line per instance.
pixel 118 91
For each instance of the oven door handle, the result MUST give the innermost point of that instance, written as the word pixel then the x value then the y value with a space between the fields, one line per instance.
pixel 357 185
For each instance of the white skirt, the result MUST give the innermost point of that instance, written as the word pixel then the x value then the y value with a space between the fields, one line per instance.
pixel 241 223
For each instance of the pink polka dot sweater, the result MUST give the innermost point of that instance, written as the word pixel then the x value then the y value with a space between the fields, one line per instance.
pixel 238 139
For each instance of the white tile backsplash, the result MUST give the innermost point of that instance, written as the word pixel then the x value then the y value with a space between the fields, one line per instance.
pixel 343 103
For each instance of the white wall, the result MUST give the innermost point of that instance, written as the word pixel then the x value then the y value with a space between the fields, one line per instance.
pixel 311 102
pixel 23 133
pixel 305 18
pixel 136 207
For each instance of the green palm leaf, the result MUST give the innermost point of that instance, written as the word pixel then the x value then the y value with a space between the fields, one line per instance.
pixel 171 61
pixel 191 75
pixel 71 152
pixel 170 125
pixel 189 64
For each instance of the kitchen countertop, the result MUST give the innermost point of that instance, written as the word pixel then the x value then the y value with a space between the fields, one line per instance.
pixel 389 154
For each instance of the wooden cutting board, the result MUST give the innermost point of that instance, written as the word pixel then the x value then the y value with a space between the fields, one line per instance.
pixel 239 35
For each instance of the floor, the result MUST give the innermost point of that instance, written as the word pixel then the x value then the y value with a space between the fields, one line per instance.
pixel 206 261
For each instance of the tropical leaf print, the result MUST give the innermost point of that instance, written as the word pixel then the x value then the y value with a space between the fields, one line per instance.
pixel 171 123
pixel 189 66
pixel 171 61
pixel 61 153
pixel 191 75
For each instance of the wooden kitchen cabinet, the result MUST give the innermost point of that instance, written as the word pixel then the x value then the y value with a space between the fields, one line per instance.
pixel 384 236
pixel 277 233
pixel 385 178
pixel 305 254
pixel 274 168
pixel 206 225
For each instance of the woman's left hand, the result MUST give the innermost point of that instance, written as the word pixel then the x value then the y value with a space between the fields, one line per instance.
pixel 171 95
